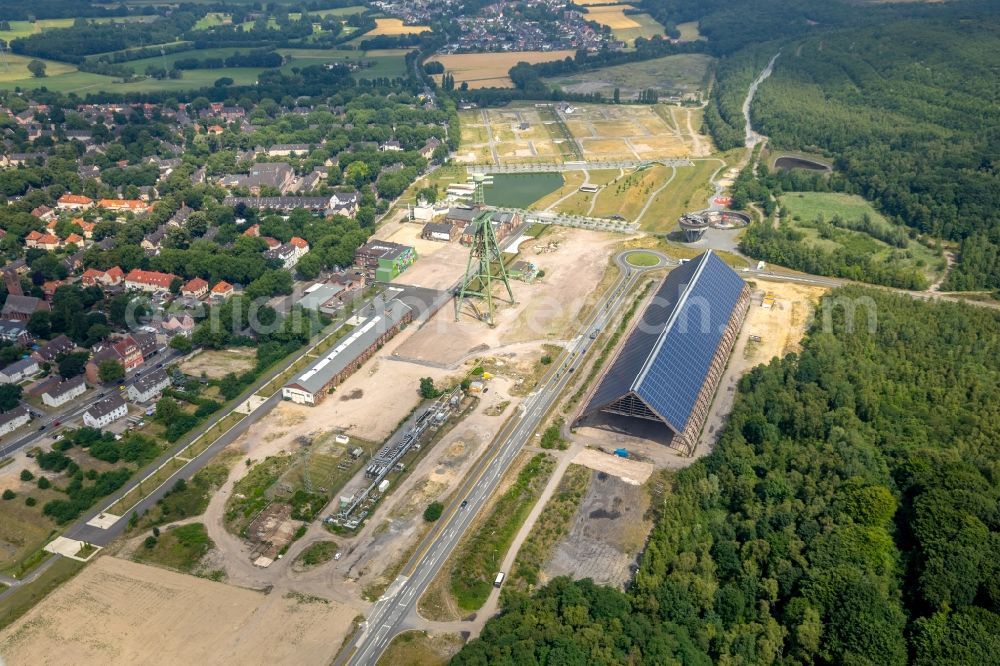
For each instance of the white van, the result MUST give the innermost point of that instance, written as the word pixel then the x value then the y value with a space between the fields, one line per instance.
pixel 499 579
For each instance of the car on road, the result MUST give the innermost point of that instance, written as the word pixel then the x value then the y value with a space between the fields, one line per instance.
pixel 338 555
pixel 41 427
pixel 498 581
pixel 56 424
pixel 464 504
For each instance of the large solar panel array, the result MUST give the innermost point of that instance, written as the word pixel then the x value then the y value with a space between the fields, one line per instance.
pixel 666 358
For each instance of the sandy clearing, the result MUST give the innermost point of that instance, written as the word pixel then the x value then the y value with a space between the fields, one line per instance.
pixel 120 612
pixel 630 471
pixel 217 364
pixel 574 261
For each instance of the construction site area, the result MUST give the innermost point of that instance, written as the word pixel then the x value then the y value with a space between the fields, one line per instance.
pixel 316 516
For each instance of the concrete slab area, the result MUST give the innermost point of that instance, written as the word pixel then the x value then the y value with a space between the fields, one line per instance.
pixel 103 520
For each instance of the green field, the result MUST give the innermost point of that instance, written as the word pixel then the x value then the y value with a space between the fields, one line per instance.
pixel 642 259
pixel 179 548
pixel 806 207
pixel 810 205
pixel 66 78
pixel 518 190
pixel 648 27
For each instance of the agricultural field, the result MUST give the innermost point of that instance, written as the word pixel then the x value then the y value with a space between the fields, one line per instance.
pixel 689 32
pixel 489 70
pixel 682 76
pixel 626 27
pixel 395 26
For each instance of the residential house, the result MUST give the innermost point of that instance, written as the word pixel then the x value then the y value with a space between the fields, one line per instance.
pixel 40 241
pixel 86 227
pixel 129 354
pixel 89 172
pixel 74 202
pixel 110 278
pixel 124 205
pixel 61 393
pixel 390 147
pixel 289 253
pixel 286 149
pixel 344 203
pixel 44 213
pixel 18 370
pixel 14 331
pixel 429 147
pixel 222 290
pixel 180 218
pixel 152 241
pixel 14 419
pixel 283 204
pixel 149 281
pixel 105 412
pixel 20 308
pixel 180 325
pixel 195 288
pixel 148 387
pixel 54 348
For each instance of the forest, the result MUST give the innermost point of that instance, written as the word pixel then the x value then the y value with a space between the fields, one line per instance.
pixel 909 111
pixel 848 514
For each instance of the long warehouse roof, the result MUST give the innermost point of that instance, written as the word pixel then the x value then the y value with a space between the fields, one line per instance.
pixel 319 374
pixel 668 354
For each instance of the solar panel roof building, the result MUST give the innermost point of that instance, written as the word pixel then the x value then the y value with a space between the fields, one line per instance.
pixel 670 365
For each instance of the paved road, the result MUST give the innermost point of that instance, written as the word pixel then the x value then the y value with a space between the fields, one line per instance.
pixel 74 410
pixel 84 532
pixel 388 617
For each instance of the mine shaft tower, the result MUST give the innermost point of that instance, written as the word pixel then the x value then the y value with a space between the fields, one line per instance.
pixel 485 269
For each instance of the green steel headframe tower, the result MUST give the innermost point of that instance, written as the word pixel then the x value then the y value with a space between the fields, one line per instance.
pixel 484 271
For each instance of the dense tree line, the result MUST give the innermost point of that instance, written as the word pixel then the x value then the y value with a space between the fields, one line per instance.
pixel 258 58
pixel 848 514
pixel 905 109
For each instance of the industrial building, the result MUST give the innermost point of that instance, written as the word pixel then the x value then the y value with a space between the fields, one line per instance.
pixel 381 261
pixel 671 363
pixel 384 321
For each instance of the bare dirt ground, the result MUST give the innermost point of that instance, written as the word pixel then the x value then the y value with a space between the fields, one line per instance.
pixel 632 472
pixel 217 364
pixel 118 612
pixel 439 264
pixel 574 262
pixel 606 534
pixel 780 330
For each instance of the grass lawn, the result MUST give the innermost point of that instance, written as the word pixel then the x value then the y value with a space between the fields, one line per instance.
pixel 642 259
pixel 689 190
pixel 316 554
pixel 476 561
pixel 180 548
pixel 418 648
pixel 553 523
pixel 25 28
pixel 21 600
pixel 806 207
pixel 188 499
pixel 17 70
pixel 810 205
pixel 627 196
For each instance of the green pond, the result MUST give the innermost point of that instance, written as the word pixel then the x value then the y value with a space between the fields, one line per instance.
pixel 520 190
